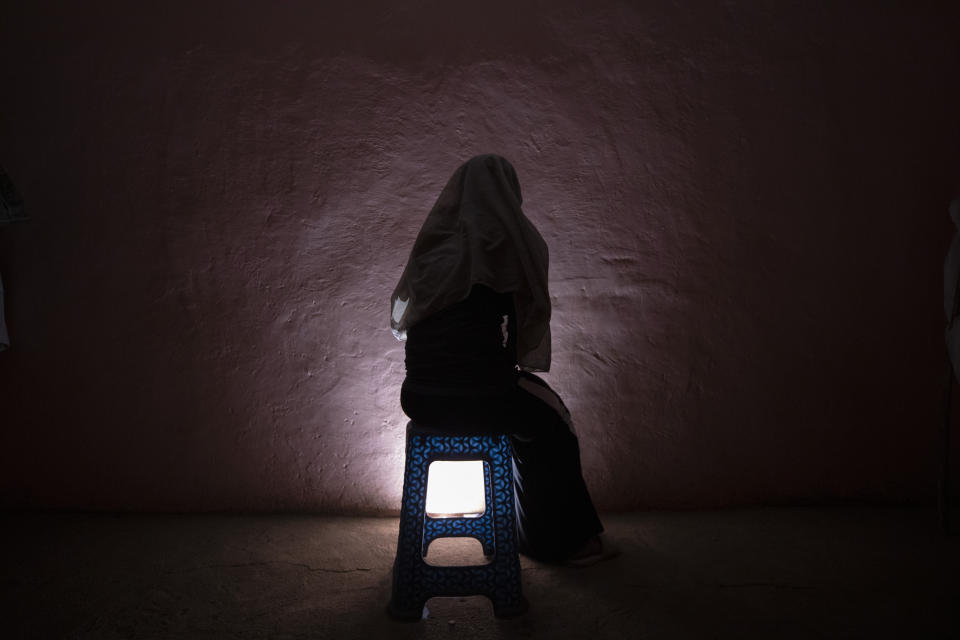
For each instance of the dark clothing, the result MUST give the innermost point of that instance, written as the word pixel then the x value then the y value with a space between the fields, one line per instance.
pixel 469 348
pixel 554 511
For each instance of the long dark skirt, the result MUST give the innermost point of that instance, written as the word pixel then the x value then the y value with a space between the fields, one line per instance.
pixel 555 515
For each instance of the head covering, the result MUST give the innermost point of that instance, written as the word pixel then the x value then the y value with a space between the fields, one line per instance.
pixel 477 233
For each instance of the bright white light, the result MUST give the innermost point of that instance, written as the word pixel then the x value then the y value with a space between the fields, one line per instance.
pixel 455 489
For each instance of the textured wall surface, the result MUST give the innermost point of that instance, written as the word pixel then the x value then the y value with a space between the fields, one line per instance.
pixel 745 204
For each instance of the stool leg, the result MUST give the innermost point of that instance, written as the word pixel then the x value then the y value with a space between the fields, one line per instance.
pixel 508 598
pixel 404 605
pixel 488 536
pixel 407 599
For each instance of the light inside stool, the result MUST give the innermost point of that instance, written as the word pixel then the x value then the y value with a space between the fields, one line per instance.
pixel 455 489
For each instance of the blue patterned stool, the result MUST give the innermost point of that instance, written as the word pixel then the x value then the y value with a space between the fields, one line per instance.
pixel 414 581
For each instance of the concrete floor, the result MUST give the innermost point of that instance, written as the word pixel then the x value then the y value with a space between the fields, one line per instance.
pixel 766 573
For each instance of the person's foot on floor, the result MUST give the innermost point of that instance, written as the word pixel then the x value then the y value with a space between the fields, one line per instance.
pixel 596 549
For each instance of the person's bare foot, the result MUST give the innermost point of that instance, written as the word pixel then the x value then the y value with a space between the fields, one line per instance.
pixel 594 550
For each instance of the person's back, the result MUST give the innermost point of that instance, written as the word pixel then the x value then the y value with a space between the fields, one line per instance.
pixel 468 348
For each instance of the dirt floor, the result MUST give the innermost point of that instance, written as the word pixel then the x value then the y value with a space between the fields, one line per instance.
pixel 765 573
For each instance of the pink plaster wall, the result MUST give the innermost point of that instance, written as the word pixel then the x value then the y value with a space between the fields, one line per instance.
pixel 745 204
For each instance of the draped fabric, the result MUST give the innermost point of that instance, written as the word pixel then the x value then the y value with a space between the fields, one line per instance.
pixel 477 233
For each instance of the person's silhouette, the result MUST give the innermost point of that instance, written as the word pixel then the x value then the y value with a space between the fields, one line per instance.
pixel 473 306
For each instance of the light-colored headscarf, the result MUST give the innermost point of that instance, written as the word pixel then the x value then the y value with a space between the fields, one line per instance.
pixel 477 233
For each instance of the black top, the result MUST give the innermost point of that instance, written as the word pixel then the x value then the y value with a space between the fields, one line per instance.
pixel 468 348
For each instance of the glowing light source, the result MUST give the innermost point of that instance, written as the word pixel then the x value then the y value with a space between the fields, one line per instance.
pixel 455 489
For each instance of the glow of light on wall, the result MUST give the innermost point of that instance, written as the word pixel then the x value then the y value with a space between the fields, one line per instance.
pixel 455 489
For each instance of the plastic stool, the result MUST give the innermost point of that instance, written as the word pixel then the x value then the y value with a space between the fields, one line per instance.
pixel 414 581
